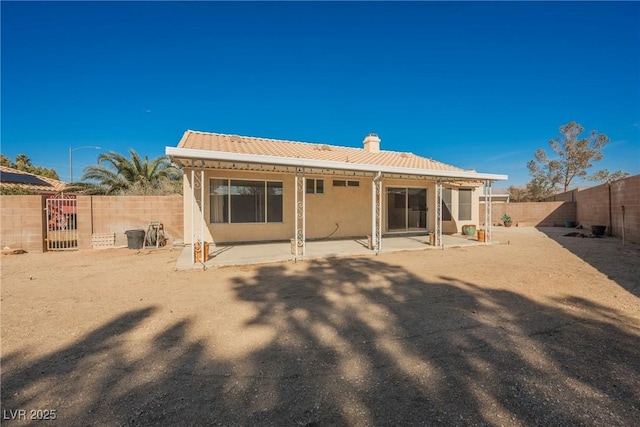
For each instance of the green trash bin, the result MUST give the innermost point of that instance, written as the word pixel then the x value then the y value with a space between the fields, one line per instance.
pixel 135 239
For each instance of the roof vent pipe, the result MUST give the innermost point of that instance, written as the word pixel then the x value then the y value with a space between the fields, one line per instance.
pixel 372 143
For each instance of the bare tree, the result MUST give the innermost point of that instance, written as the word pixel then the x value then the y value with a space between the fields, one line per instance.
pixel 574 157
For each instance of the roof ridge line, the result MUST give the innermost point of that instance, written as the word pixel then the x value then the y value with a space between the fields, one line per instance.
pixel 300 142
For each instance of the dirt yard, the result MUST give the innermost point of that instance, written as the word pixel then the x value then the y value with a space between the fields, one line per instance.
pixel 541 329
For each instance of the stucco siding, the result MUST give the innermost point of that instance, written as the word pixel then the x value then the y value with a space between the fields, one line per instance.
pixel 337 212
pixel 340 211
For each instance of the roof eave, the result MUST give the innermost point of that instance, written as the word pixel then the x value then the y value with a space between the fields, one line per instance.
pixel 195 154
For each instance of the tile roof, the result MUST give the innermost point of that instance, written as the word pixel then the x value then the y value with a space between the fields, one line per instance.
pixel 273 147
pixel 14 178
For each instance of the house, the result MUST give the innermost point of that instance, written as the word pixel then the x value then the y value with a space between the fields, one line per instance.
pixel 14 181
pixel 247 189
pixel 498 195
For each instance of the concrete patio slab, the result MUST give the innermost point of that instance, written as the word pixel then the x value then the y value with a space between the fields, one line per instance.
pixel 260 253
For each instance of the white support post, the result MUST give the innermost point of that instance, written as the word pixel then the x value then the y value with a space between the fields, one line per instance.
pixel 438 228
pixel 486 209
pixel 379 212
pixel 193 216
pixel 488 204
pixel 295 216
pixel 299 219
pixel 197 201
pixel 304 215
pixel 376 212
pixel 203 221
pixel 488 223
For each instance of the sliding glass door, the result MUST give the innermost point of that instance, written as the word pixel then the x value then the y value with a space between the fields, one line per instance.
pixel 406 208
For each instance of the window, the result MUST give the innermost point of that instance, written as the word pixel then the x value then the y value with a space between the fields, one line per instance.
pixel 315 186
pixel 446 204
pixel 464 204
pixel 244 201
pixel 343 183
pixel 406 208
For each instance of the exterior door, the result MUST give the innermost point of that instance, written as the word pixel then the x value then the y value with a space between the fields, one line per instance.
pixel 406 209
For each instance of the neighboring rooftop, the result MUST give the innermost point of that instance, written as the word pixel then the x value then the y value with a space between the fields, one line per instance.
pixel 11 178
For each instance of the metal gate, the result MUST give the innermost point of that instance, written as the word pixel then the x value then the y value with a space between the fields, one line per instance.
pixel 62 223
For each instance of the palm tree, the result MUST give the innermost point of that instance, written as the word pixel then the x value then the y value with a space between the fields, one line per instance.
pixel 116 174
pixel 23 163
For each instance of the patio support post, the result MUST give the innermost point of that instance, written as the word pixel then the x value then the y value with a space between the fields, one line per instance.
pixel 438 230
pixel 203 222
pixel 374 222
pixel 379 191
pixel 490 212
pixel 300 214
pixel 304 214
pixel 376 212
pixel 193 216
pixel 197 201
pixel 488 203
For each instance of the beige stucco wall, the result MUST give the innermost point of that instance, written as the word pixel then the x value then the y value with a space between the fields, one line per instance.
pixel 343 211
pixel 337 213
pixel 246 232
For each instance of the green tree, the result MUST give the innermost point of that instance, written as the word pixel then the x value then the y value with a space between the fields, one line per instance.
pixel 117 174
pixel 574 157
pixel 23 163
pixel 5 161
pixel 605 177
pixel 538 189
pixel 517 194
pixel 15 191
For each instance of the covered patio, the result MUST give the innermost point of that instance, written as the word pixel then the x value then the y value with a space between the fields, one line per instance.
pixel 239 190
pixel 261 253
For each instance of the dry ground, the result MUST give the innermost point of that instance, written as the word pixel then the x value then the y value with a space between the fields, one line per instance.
pixel 540 329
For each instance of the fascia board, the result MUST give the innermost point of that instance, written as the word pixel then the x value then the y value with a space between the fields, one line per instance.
pixel 194 154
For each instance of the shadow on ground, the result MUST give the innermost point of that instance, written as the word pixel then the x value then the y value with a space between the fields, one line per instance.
pixel 357 342
pixel 625 270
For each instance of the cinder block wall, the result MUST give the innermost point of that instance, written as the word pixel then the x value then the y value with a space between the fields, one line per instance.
pixel 593 207
pixel 602 205
pixel 117 214
pixel 527 214
pixel 626 193
pixel 23 218
pixel 569 196
pixel 22 222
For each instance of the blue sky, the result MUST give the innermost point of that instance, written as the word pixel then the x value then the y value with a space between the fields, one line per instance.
pixel 476 85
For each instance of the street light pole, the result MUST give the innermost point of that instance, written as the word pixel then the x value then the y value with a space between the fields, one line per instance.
pixel 71 150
